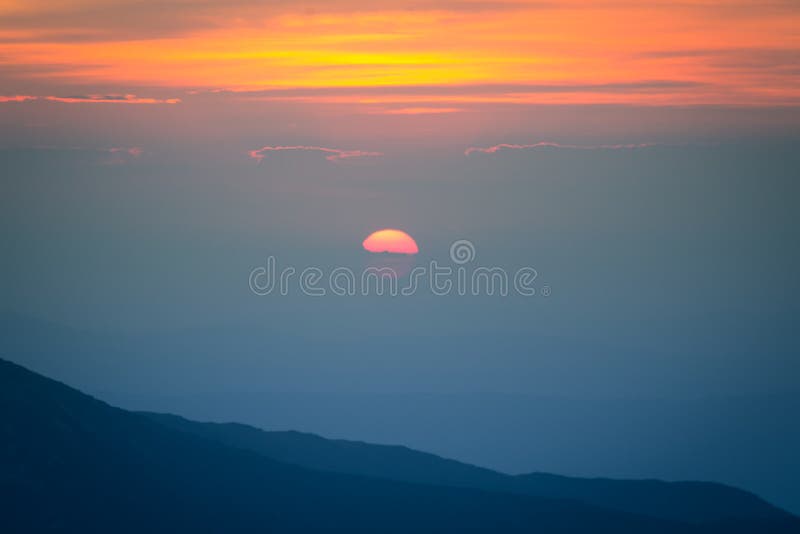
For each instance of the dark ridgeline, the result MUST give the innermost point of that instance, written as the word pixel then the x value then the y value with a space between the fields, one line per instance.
pixel 71 463
pixel 695 502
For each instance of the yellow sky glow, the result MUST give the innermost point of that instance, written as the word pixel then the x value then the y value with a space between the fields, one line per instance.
pixel 686 53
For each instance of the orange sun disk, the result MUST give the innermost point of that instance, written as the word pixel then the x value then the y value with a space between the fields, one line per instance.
pixel 390 240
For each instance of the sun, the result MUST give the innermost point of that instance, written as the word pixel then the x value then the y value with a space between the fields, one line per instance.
pixel 392 241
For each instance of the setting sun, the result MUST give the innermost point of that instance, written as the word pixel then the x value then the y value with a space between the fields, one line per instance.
pixel 390 240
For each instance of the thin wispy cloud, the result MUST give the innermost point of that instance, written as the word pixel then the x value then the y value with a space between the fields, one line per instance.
pixel 416 111
pixel 116 155
pixel 16 98
pixel 331 154
pixel 122 155
pixel 131 151
pixel 92 99
pixel 111 99
pixel 549 144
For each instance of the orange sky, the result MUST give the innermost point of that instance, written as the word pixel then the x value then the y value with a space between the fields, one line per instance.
pixel 686 52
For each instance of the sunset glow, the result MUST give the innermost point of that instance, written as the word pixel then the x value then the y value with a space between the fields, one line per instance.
pixel 709 52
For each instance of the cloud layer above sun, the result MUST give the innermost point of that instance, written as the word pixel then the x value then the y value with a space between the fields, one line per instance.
pixel 331 154
pixel 419 56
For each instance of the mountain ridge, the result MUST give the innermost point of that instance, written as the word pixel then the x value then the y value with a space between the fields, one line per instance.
pixel 72 463
pixel 692 501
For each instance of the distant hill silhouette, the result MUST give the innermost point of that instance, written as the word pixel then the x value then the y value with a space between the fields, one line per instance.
pixel 71 463
pixel 681 501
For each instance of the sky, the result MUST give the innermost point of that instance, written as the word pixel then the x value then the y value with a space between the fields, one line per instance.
pixel 403 57
pixel 640 157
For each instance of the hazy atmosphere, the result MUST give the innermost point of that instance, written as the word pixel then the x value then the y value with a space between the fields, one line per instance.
pixel 640 161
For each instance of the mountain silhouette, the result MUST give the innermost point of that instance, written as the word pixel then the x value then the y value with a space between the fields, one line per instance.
pixel 681 501
pixel 71 463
